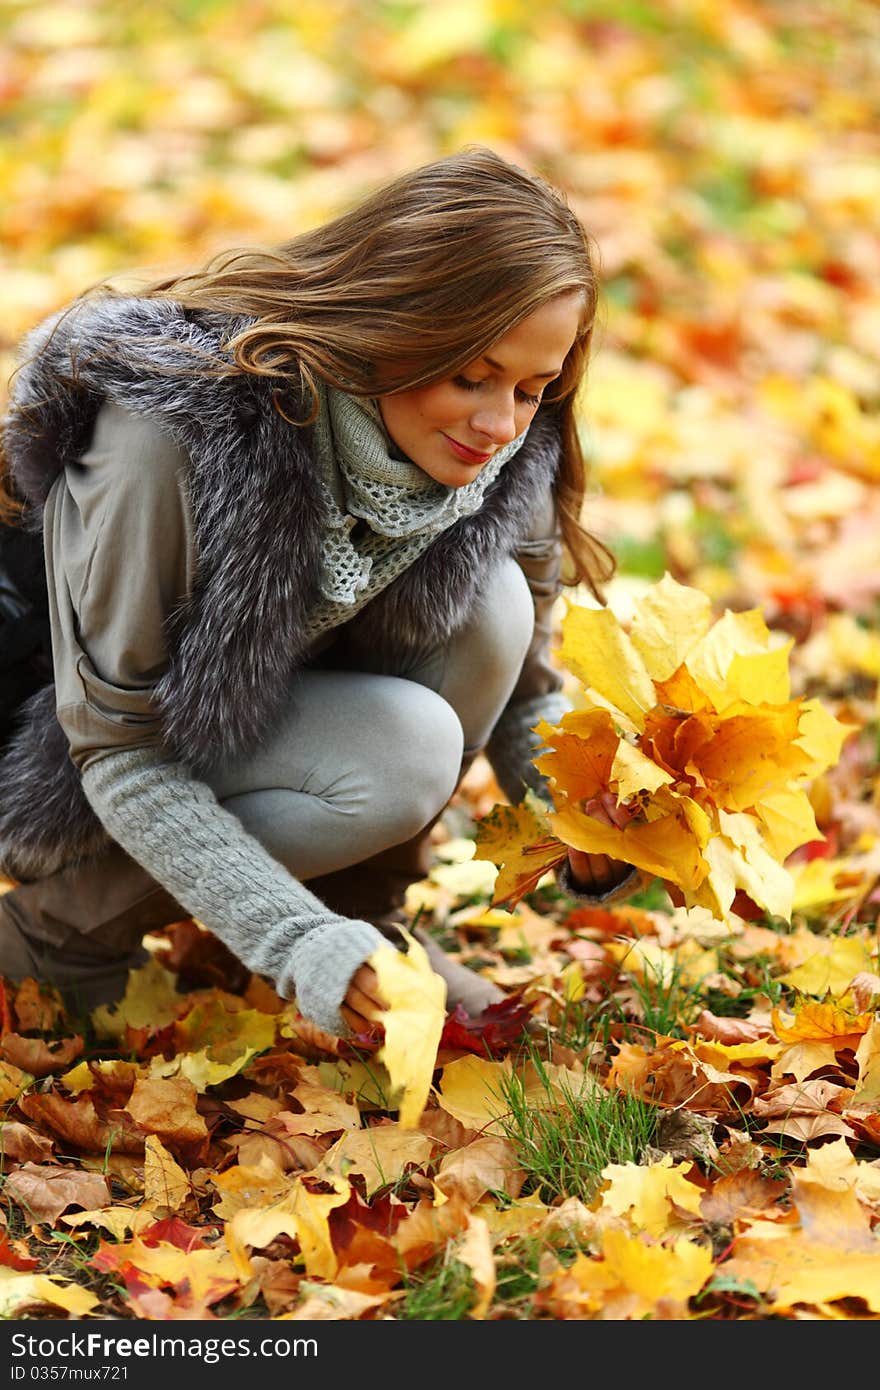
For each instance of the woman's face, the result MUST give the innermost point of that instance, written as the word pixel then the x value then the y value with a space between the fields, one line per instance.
pixel 452 428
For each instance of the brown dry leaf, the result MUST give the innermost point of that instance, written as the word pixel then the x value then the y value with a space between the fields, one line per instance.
pixel 274 1145
pixel 37 1007
pixel 738 1196
pixel 78 1122
pixel 20 1142
pixel 727 1030
pixel 428 1227
pixel 484 1165
pixel 672 1075
pixel 380 1155
pixel 325 1111
pixel 167 1107
pixel 38 1056
pixel 804 1129
pixel 805 1098
pixel 45 1190
pixel 255 1106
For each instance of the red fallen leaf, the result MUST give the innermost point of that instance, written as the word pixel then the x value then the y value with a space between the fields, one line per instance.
pixel 11 1256
pixel 383 1215
pixel 172 1231
pixel 146 1042
pixel 806 469
pixel 610 922
pixel 816 849
pixel 487 1033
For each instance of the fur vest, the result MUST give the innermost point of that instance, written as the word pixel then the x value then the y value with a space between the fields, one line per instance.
pixel 256 508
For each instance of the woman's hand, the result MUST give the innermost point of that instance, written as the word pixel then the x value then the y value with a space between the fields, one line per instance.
pixel 363 1003
pixel 599 873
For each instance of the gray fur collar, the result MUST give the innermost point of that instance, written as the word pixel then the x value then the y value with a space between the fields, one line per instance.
pixel 257 521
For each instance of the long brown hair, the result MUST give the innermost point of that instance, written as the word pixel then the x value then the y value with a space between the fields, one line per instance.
pixel 413 283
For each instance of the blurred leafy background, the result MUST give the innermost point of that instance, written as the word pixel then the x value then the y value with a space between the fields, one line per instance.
pixel 723 153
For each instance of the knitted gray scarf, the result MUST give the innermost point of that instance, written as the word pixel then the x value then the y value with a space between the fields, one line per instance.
pixel 403 507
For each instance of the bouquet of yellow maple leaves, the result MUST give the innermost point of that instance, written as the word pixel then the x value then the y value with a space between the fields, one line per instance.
pixel 689 725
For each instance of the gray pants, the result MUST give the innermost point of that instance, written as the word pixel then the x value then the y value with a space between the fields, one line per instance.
pixel 366 755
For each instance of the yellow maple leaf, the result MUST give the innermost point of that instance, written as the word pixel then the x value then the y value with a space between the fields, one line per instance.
pixel 583 750
pixel 519 841
pixel 734 634
pixel 151 1000
pixel 475 1251
pixel 674 1272
pixel 760 677
pixel 826 1022
pixel 669 845
pixel 788 821
pixel 821 736
pixel 667 622
pixel 413 1023
pixel 299 1213
pixel 829 1254
pixel 596 649
pixel 831 969
pixel 691 727
pixel 645 1194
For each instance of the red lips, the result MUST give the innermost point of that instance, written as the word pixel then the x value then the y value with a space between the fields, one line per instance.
pixel 463 452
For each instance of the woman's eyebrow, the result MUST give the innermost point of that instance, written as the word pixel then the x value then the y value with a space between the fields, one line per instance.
pixel 539 376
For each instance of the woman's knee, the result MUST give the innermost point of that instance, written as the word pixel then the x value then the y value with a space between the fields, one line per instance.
pixel 423 762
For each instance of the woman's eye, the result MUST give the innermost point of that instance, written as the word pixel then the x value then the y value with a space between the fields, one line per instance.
pixel 467 385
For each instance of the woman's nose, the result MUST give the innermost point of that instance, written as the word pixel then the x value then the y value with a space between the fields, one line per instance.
pixel 497 422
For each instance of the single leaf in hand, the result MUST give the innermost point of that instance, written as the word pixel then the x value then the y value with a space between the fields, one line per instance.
pixel 412 1024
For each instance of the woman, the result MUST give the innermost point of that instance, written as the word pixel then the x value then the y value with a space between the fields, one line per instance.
pixel 303 515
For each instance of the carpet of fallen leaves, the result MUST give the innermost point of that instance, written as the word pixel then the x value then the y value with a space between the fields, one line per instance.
pixel 200 1151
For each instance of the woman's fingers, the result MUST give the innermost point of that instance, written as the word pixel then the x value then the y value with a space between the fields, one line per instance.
pixel 363 1002
pixel 596 872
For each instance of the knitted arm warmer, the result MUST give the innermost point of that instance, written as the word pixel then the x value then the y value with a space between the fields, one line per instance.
pixel 512 745
pixel 176 829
